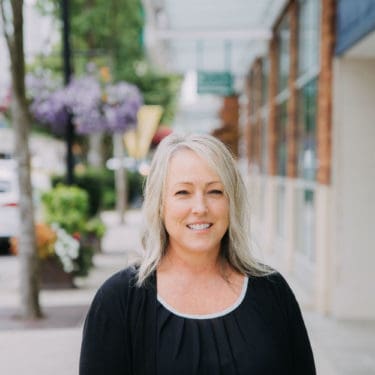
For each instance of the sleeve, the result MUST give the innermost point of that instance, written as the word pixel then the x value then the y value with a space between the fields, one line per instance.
pixel 301 351
pixel 103 349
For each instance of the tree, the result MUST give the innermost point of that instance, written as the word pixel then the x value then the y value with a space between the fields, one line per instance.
pixel 110 33
pixel 12 21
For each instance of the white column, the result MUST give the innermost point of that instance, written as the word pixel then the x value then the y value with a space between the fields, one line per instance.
pixel 353 184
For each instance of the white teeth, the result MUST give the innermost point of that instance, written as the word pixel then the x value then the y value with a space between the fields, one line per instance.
pixel 199 226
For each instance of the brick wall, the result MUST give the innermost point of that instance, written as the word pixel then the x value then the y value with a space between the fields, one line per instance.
pixel 324 116
pixel 292 102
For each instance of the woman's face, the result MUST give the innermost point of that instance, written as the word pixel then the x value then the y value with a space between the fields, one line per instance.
pixel 196 209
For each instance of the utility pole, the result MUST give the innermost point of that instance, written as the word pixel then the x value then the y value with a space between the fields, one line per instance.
pixel 70 133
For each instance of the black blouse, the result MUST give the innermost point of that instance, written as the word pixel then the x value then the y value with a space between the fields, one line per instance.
pixel 129 331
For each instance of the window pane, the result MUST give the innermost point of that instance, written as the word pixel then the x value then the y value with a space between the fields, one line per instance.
pixel 307 159
pixel 252 93
pixel 308 35
pixel 281 146
pixel 265 82
pixel 283 34
pixel 264 145
pixel 305 222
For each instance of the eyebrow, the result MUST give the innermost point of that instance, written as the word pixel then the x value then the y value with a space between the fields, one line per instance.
pixel 190 183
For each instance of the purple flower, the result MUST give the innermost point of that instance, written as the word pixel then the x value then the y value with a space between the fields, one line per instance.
pixel 122 105
pixel 113 108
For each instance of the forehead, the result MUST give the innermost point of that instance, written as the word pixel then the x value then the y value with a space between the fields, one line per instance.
pixel 186 164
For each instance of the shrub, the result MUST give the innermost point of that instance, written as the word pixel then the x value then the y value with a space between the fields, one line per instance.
pixel 93 182
pixel 67 208
pixel 99 183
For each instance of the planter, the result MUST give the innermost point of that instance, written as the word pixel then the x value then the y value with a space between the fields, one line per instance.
pixel 52 275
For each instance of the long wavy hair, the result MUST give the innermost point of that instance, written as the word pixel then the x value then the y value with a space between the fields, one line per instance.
pixel 236 243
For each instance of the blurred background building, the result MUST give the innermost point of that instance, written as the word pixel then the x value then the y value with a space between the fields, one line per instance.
pixel 311 154
pixel 300 112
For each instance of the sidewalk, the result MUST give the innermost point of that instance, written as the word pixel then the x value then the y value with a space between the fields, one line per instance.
pixel 51 346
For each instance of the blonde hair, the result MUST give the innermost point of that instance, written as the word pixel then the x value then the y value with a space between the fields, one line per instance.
pixel 236 244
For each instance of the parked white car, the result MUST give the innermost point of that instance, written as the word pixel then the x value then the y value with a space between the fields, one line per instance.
pixel 9 199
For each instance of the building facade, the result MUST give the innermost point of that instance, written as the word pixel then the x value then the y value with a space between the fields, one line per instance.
pixel 310 139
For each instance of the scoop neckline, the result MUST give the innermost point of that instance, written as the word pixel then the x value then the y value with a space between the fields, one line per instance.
pixel 218 314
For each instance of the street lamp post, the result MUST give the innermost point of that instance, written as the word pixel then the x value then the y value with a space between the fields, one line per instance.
pixel 67 75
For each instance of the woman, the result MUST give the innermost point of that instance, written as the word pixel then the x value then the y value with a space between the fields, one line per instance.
pixel 197 302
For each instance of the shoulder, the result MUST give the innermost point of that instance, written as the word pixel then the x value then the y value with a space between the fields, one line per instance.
pixel 276 280
pixel 116 288
pixel 272 281
pixel 273 289
pixel 122 286
pixel 120 281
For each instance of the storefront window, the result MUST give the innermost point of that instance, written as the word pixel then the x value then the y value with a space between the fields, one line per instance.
pixel 281 154
pixel 252 93
pixel 265 80
pixel 283 34
pixel 307 108
pixel 308 35
pixel 305 223
pixel 281 146
pixel 264 145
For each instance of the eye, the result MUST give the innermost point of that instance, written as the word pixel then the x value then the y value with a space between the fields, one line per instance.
pixel 181 192
pixel 216 192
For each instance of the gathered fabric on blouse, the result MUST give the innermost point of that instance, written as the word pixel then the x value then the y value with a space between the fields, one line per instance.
pixel 129 330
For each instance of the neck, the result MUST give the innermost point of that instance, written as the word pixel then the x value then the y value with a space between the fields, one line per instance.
pixel 195 264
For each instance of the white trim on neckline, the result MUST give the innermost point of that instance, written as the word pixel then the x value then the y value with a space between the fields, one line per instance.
pixel 212 315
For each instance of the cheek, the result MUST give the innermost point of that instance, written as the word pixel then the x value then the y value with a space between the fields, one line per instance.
pixel 222 209
pixel 174 211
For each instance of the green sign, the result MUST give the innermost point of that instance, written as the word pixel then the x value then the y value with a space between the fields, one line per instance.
pixel 218 83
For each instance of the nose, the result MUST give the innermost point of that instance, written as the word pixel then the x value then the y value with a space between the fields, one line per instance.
pixel 199 204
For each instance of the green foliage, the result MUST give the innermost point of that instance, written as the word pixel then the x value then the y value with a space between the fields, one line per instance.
pixel 110 33
pixel 66 206
pixel 99 183
pixel 51 62
pixel 96 227
pixel 109 28
pixel 135 183
pixel 91 181
pixel 160 89
pixel 94 181
pixel 84 261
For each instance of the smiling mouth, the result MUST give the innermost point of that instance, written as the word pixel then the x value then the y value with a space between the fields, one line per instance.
pixel 199 226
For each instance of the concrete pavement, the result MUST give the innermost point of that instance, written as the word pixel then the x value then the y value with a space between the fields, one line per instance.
pixel 51 345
